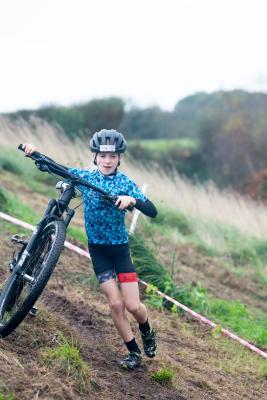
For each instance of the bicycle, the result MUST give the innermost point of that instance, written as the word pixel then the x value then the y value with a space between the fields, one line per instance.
pixel 32 266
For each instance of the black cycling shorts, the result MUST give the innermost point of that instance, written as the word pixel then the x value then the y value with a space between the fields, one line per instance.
pixel 111 261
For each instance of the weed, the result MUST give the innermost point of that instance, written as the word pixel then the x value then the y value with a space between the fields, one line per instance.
pixel 164 375
pixel 217 331
pixel 153 298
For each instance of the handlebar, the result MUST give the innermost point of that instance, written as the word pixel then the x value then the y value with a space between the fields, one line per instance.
pixel 45 163
pixel 35 155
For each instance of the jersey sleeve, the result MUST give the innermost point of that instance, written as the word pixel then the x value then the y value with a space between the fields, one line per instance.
pixel 135 191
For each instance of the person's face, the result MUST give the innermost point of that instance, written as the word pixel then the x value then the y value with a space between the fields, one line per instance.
pixel 107 162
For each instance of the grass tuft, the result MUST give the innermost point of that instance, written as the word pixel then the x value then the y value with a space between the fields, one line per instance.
pixel 66 356
pixel 164 376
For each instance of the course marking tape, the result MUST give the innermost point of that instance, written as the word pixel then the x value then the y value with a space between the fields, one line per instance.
pixel 165 296
pixel 208 322
pixel 69 245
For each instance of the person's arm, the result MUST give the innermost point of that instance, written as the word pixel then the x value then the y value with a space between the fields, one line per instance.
pixel 146 207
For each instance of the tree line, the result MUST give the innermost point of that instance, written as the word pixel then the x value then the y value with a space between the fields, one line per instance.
pixel 229 128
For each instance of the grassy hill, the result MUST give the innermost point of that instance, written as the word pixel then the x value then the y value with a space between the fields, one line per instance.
pixel 212 260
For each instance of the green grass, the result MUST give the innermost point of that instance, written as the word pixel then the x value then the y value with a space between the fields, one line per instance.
pixel 164 375
pixel 77 234
pixel 66 356
pixel 244 321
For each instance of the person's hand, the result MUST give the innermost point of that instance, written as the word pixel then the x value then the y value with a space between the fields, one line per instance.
pixel 29 148
pixel 123 202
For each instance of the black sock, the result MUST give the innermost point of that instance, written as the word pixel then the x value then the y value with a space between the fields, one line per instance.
pixel 132 346
pixel 145 327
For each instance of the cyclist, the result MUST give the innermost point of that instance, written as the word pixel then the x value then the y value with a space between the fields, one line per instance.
pixel 108 240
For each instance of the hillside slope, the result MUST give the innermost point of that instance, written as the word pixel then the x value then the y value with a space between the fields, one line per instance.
pixel 206 367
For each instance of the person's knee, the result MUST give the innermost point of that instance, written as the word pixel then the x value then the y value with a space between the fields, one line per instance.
pixel 133 308
pixel 117 306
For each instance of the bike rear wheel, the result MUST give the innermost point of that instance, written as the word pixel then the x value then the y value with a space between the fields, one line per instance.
pixel 20 291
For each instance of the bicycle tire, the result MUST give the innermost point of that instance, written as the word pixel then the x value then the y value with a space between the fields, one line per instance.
pixel 40 266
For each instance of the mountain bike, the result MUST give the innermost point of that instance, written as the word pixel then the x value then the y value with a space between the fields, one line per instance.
pixel 31 267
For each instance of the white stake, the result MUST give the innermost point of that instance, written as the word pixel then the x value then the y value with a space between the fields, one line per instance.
pixel 136 214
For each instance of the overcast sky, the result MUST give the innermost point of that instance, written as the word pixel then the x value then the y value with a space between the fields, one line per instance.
pixel 150 52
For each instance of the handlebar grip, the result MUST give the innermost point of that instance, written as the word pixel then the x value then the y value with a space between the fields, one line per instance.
pixel 33 155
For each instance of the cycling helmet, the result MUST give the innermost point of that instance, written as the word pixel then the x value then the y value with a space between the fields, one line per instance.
pixel 108 140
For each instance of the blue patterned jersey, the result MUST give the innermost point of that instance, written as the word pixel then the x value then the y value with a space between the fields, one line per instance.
pixel 104 223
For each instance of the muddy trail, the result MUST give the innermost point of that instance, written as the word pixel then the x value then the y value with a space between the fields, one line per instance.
pixel 205 367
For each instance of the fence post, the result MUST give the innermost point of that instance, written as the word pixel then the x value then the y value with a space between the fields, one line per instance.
pixel 136 214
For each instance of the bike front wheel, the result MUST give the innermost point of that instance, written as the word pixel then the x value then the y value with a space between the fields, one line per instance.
pixel 20 291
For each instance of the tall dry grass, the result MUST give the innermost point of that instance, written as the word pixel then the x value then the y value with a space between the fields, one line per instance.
pixel 199 201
